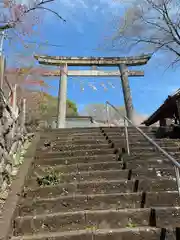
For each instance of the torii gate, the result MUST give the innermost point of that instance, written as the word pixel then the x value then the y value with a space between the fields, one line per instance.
pixel 121 62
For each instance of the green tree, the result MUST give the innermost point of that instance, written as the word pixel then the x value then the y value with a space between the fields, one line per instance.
pixel 48 107
pixel 43 106
pixel 71 108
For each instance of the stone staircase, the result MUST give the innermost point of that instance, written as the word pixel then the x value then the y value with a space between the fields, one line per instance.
pixel 83 185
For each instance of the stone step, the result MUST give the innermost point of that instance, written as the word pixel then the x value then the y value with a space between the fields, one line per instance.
pixel 80 202
pixel 130 132
pixel 119 139
pixel 151 149
pixel 162 199
pixel 102 187
pixel 98 219
pixel 114 129
pixel 72 130
pixel 93 187
pixel 140 156
pixel 140 173
pixel 109 165
pixel 66 147
pixel 80 220
pixel 167 217
pixel 98 202
pixel 143 143
pixel 148 163
pixel 156 185
pixel 55 177
pixel 74 153
pixel 145 155
pixel 154 159
pixel 141 127
pixel 72 137
pixel 58 134
pixel 58 177
pixel 140 233
pixel 133 138
pixel 72 134
pixel 74 142
pixel 68 157
pixel 78 159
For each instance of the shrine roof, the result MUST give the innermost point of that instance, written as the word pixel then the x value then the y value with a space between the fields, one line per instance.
pixel 166 110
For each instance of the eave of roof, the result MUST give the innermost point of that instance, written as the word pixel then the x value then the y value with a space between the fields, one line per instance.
pixel 165 109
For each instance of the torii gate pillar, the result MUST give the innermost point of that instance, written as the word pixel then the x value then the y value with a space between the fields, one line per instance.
pixel 126 91
pixel 62 97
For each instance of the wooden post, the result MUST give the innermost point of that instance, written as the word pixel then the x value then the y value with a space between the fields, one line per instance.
pixel 14 109
pixel 14 98
pixel 23 114
pixel 2 68
pixel 126 91
pixel 62 97
pixel 162 122
pixel 178 109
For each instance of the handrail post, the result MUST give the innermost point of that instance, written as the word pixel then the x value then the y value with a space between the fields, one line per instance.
pixel 177 178
pixel 107 113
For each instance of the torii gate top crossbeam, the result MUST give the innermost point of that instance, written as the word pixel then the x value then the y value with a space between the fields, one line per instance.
pixel 93 61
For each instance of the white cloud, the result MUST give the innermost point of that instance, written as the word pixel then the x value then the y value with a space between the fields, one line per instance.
pixel 88 6
pixel 74 3
pixel 78 12
pixel 95 8
pixel 111 3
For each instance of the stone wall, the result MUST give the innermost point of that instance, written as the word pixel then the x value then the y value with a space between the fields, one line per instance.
pixel 12 135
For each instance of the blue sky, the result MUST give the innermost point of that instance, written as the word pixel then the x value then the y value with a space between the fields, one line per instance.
pixel 87 32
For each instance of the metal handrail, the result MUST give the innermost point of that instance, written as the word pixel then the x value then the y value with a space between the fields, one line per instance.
pixel 167 155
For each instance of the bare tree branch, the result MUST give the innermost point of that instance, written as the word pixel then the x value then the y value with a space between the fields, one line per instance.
pixel 12 23
pixel 50 10
pixel 169 21
pixel 151 24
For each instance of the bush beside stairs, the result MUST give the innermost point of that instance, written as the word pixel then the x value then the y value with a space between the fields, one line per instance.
pixel 84 186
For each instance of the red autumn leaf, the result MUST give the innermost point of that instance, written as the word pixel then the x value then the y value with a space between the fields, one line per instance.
pixel 36 82
pixel 6 3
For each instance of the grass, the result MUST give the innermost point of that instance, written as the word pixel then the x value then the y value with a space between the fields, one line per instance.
pixel 130 224
pixel 51 178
